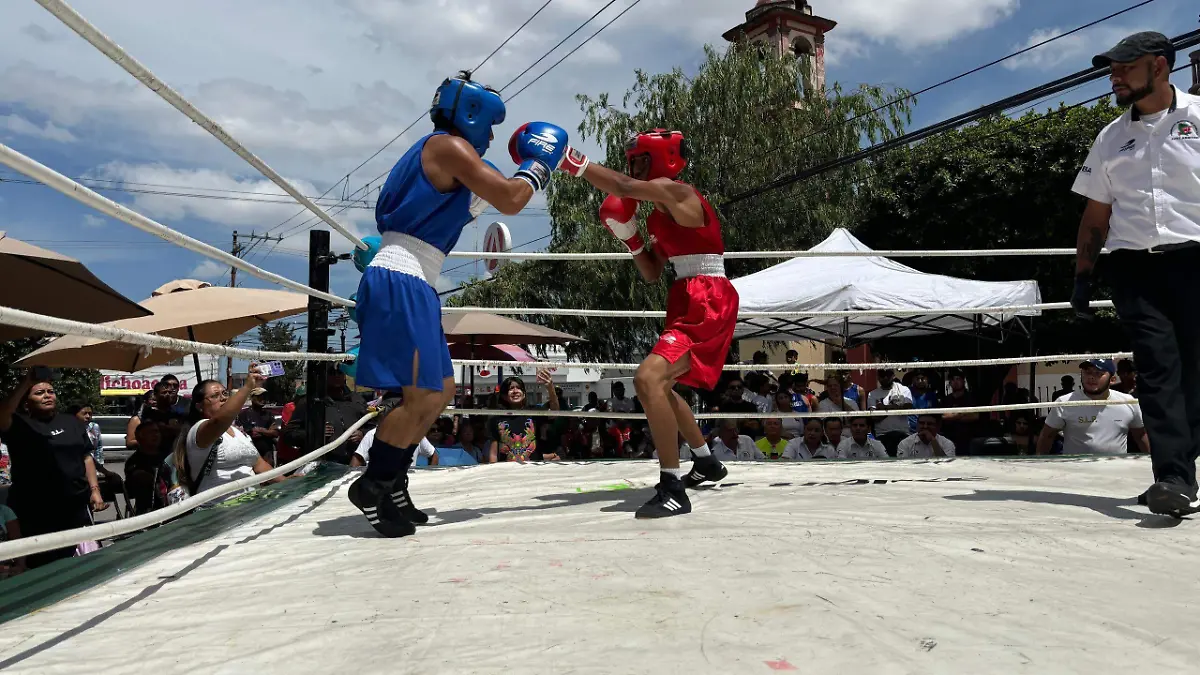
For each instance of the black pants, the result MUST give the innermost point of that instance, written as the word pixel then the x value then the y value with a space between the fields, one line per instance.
pixel 1154 294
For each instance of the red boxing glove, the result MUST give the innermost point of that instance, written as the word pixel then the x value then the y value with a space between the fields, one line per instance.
pixel 617 215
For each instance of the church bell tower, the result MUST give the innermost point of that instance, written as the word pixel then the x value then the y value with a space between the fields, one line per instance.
pixel 791 27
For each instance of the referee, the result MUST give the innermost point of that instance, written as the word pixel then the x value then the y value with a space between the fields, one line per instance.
pixel 1142 182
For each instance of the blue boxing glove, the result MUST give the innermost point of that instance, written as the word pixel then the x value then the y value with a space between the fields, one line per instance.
pixel 363 258
pixel 538 147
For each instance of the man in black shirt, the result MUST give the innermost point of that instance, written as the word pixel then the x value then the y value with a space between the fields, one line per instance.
pixel 260 424
pixel 146 475
pixel 342 409
pixel 960 428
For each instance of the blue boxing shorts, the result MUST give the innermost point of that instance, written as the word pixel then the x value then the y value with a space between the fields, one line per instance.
pixel 399 315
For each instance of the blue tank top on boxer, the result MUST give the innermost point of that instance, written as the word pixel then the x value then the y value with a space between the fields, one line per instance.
pixel 410 204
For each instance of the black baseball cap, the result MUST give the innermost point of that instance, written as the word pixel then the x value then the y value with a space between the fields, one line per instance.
pixel 1136 46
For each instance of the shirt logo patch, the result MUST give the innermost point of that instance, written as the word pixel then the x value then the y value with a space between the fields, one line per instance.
pixel 1128 146
pixel 1087 170
pixel 1185 130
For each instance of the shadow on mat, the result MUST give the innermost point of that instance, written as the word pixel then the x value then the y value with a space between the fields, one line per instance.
pixel 1105 506
pixel 622 501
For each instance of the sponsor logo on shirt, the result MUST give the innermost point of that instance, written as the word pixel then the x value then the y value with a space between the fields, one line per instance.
pixel 57 432
pixel 1087 170
pixel 1128 146
pixel 1185 131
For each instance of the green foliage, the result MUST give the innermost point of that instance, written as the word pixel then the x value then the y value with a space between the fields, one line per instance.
pixel 281 337
pixel 1001 183
pixel 747 120
pixel 72 385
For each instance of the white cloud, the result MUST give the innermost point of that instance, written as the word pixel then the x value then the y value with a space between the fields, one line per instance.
pixel 23 127
pixel 90 220
pixel 227 202
pixel 208 271
pixel 1076 49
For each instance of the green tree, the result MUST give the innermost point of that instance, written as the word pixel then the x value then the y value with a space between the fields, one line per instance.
pixel 747 120
pixel 72 385
pixel 280 336
pixel 1001 183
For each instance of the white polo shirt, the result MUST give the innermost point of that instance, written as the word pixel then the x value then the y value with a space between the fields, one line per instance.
pixel 1148 169
pixel 914 448
pixel 850 449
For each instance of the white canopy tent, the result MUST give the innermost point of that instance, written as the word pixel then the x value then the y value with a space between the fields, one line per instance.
pixel 870 283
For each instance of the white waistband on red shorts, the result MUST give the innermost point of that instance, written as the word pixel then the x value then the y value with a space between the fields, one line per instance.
pixel 408 255
pixel 700 265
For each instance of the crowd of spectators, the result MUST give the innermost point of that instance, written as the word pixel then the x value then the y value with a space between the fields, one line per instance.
pixel 54 459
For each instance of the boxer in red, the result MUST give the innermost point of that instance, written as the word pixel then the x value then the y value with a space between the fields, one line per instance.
pixel 702 305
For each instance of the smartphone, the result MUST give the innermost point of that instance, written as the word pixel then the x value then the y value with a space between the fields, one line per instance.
pixel 271 369
pixel 42 374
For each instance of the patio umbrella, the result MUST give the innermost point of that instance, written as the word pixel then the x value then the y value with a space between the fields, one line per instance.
pixel 513 353
pixel 477 329
pixel 36 280
pixel 210 314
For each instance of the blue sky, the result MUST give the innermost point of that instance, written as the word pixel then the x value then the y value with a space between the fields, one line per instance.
pixel 315 88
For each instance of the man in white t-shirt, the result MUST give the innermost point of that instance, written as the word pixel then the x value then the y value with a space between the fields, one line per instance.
pixel 890 395
pixel 926 442
pixel 859 445
pixel 618 403
pixel 812 444
pixel 362 454
pixel 729 446
pixel 1100 429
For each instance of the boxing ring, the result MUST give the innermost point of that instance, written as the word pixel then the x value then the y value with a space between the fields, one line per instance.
pixel 968 565
pixel 932 566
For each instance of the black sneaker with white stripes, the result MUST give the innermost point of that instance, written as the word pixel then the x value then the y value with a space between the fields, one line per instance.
pixel 1172 499
pixel 670 499
pixel 705 469
pixel 403 501
pixel 374 499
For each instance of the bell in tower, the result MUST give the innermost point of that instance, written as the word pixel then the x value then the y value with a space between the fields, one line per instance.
pixel 791 27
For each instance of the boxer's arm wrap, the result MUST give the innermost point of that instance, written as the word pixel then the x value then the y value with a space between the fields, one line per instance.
pixel 534 172
pixel 617 215
pixel 574 162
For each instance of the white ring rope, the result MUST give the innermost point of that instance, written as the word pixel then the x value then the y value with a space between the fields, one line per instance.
pixel 754 255
pixel 838 314
pixel 113 51
pixel 860 367
pixel 48 542
pixel 50 324
pixel 592 414
pixel 74 190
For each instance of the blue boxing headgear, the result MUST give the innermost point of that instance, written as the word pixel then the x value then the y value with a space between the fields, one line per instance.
pixel 472 108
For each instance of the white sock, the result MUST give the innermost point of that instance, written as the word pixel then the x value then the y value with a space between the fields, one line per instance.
pixel 677 472
pixel 701 451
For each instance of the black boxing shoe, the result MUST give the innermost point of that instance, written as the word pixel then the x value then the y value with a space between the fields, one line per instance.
pixel 670 499
pixel 705 469
pixel 403 501
pixel 1172 499
pixel 374 499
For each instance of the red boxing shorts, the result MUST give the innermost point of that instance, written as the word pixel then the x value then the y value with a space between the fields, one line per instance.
pixel 701 315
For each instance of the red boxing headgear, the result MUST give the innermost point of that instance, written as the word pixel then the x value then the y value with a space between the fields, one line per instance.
pixel 667 151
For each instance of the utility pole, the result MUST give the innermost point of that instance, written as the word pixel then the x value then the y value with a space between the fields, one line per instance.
pixel 319 332
pixel 237 251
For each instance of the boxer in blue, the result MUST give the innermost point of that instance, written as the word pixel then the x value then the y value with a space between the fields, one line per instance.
pixel 436 189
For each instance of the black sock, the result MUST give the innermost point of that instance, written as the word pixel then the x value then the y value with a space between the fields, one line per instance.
pixel 387 461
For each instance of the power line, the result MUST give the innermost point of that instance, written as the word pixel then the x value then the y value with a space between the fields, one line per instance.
pixel 407 128
pixel 1057 86
pixel 510 37
pixel 951 80
pixel 311 221
pixel 592 18
pixel 577 48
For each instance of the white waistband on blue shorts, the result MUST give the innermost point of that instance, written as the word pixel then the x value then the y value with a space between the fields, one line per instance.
pixel 700 265
pixel 408 255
